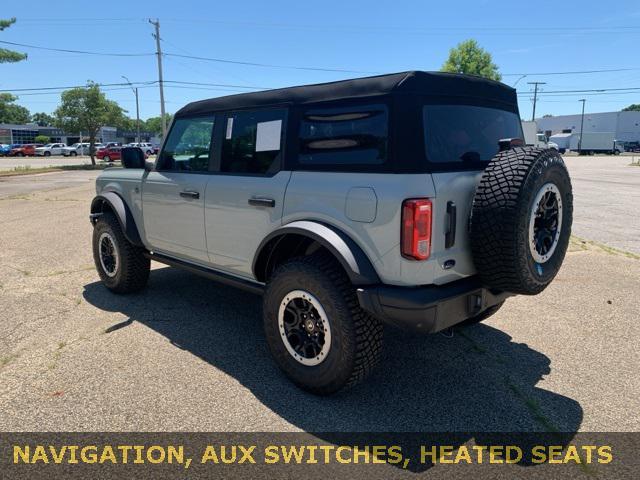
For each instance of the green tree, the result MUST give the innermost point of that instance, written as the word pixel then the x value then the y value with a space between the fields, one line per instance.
pixel 634 107
pixel 469 58
pixel 43 119
pixel 10 112
pixel 9 56
pixel 42 139
pixel 154 124
pixel 86 110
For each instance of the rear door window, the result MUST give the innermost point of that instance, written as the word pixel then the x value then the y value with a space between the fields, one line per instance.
pixel 253 142
pixel 466 134
pixel 344 137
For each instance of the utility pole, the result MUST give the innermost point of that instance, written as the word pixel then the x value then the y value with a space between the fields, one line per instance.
pixel 135 91
pixel 583 100
pixel 159 54
pixel 535 97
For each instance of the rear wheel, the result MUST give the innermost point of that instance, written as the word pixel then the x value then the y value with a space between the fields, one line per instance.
pixel 122 266
pixel 106 158
pixel 316 331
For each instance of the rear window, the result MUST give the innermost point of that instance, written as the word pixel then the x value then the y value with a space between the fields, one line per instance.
pixel 348 136
pixel 465 133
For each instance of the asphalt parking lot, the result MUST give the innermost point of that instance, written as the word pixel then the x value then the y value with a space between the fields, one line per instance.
pixel 188 354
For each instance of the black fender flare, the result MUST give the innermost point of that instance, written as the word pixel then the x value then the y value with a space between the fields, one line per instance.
pixel 348 253
pixel 122 212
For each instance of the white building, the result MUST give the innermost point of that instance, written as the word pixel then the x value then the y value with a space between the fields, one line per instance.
pixel 626 125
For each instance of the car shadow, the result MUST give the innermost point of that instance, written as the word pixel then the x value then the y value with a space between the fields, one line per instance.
pixel 476 384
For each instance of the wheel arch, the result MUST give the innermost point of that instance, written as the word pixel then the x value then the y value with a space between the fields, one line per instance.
pixel 111 201
pixel 305 237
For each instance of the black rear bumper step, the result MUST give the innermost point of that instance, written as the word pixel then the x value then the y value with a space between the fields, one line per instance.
pixel 429 308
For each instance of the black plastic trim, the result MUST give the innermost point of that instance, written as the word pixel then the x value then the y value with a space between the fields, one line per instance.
pixel 122 212
pixel 345 250
pixel 209 273
pixel 429 308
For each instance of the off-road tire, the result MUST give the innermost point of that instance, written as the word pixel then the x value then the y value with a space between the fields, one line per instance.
pixel 482 316
pixel 133 269
pixel 356 341
pixel 502 208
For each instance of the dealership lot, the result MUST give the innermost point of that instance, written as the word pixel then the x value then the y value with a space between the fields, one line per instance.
pixel 188 354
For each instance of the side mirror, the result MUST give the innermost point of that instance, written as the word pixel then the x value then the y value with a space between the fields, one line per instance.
pixel 133 157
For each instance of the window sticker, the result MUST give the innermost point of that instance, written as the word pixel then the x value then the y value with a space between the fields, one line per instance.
pixel 229 128
pixel 268 136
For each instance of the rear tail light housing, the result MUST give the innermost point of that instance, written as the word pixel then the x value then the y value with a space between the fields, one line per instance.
pixel 416 228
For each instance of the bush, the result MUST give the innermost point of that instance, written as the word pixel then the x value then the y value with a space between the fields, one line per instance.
pixel 42 139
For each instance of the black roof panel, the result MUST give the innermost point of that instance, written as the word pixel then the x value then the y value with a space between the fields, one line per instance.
pixel 435 84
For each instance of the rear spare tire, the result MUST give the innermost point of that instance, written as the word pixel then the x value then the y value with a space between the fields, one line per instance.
pixel 521 220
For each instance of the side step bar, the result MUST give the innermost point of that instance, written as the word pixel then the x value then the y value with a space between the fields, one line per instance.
pixel 221 277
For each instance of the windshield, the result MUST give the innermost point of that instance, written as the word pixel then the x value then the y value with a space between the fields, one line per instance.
pixel 48 145
pixel 466 133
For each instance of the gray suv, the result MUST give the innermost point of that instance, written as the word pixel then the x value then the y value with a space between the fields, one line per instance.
pixel 405 199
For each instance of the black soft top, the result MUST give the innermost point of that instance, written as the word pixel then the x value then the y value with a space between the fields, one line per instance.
pixel 425 84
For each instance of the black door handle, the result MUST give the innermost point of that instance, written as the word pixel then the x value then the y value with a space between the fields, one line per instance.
pixel 190 194
pixel 262 202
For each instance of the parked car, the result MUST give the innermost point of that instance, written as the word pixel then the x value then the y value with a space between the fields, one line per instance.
pixel 146 147
pixel 50 149
pixel 406 199
pixel 109 154
pixel 26 150
pixel 76 149
pixel 5 149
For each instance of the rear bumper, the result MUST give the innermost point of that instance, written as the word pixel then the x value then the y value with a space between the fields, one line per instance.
pixel 431 308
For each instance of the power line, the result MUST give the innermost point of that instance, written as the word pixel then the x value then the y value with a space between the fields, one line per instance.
pixel 294 67
pixel 577 72
pixel 84 52
pixel 590 90
pixel 269 65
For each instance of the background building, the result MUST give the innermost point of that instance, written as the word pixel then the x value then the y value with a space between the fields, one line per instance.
pixel 625 125
pixel 21 134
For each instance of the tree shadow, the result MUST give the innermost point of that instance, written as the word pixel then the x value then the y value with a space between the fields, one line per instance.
pixel 477 384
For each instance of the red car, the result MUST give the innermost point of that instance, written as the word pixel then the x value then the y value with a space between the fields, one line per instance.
pixel 111 154
pixel 27 150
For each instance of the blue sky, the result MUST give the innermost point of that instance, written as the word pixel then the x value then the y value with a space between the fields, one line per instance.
pixel 364 36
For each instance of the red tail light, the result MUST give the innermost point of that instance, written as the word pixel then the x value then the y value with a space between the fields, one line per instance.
pixel 416 228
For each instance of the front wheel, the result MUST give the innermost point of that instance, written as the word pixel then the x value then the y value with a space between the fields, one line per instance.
pixel 316 331
pixel 122 266
pixel 106 158
pixel 47 154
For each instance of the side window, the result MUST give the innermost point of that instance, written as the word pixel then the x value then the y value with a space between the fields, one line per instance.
pixel 188 145
pixel 253 142
pixel 344 136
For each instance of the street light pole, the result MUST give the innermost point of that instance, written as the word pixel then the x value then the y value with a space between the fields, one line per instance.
pixel 583 100
pixel 135 91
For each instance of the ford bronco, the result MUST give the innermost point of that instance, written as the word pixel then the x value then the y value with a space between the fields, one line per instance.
pixel 407 199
